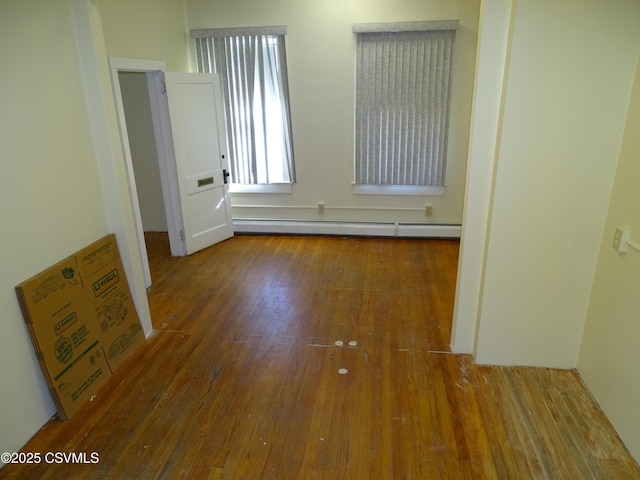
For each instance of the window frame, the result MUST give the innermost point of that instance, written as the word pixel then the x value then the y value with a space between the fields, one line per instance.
pixel 390 28
pixel 206 59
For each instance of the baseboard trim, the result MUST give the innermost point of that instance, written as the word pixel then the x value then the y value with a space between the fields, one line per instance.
pixel 366 229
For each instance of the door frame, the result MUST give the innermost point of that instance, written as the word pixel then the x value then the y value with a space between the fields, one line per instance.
pixel 154 69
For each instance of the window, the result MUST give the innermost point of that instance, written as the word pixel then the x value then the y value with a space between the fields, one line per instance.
pixel 403 75
pixel 253 69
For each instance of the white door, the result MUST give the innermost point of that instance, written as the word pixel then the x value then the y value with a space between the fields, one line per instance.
pixel 199 145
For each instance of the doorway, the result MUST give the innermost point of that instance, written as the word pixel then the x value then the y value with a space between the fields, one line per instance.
pixel 139 125
pixel 131 94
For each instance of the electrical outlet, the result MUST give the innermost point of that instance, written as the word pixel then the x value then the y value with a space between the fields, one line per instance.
pixel 320 207
pixel 428 210
pixel 620 239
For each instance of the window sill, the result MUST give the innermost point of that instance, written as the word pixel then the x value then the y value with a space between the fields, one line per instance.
pixel 398 190
pixel 271 188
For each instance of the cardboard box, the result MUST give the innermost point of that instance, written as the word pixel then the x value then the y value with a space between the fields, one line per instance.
pixel 64 334
pixel 82 322
pixel 120 331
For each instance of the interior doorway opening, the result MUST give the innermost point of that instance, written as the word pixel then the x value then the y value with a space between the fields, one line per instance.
pixel 144 156
pixel 130 83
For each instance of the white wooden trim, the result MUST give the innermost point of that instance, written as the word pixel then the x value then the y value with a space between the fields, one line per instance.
pixel 136 64
pixel 261 188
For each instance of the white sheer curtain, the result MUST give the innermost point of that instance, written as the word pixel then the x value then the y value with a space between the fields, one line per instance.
pixel 402 106
pixel 253 70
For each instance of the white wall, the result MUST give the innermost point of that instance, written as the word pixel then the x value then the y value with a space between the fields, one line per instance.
pixel 569 75
pixel 320 54
pixel 609 357
pixel 146 29
pixel 50 196
pixel 63 182
pixel 491 64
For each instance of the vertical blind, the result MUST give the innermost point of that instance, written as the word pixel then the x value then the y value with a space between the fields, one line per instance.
pixel 402 106
pixel 252 66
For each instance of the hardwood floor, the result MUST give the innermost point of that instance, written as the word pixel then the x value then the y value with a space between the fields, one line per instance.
pixel 245 378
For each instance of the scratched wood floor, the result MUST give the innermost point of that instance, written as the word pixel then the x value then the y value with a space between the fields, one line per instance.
pixel 242 378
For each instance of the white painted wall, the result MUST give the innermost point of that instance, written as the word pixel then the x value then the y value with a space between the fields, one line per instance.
pixel 609 357
pixel 491 64
pixel 50 196
pixel 146 29
pixel 59 151
pixel 569 76
pixel 321 64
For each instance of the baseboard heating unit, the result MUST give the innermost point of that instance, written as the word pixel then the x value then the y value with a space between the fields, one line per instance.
pixel 361 229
